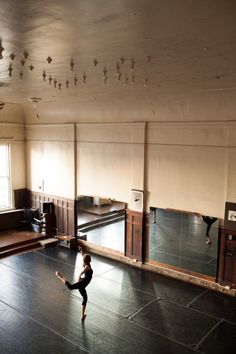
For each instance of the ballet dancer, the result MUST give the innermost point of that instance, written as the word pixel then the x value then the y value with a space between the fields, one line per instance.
pixel 209 220
pixel 83 281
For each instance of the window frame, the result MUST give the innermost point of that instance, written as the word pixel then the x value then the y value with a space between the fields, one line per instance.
pixel 8 177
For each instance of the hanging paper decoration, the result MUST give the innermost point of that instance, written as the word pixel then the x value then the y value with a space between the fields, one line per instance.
pixel 26 54
pixel 12 56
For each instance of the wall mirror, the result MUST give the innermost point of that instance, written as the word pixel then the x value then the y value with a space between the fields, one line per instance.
pixel 184 240
pixel 101 221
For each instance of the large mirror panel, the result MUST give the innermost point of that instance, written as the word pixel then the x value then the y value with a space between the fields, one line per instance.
pixel 184 240
pixel 101 221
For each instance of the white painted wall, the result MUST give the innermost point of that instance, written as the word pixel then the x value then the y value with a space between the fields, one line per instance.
pixel 110 159
pixel 231 182
pixel 50 159
pixel 191 167
pixel 190 163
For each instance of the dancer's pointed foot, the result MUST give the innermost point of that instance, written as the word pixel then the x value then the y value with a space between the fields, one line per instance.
pixel 83 318
pixel 59 275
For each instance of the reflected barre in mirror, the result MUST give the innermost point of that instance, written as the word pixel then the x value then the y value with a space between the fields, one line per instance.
pixel 185 240
pixel 101 221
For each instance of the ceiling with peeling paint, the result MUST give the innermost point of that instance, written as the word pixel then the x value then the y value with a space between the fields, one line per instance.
pixel 115 52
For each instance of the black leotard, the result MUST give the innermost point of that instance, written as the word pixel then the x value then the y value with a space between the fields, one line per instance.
pixel 81 285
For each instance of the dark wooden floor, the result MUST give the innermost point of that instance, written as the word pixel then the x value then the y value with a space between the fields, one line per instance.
pixel 129 310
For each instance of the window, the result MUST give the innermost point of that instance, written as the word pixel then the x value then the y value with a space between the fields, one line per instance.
pixel 5 182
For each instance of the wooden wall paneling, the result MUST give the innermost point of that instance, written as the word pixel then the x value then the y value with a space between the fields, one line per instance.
pixel 230 264
pixel 65 216
pixel 146 235
pixel 221 254
pixel 227 258
pixel 64 210
pixel 58 212
pixel 73 217
pixel 127 233
pixel 136 249
pixel 64 206
pixel 134 235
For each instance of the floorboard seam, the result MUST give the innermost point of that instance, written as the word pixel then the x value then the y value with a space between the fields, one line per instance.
pixel 109 270
pixel 25 275
pixel 72 266
pixel 19 271
pixel 160 298
pixel 78 298
pixel 164 336
pixel 128 316
pixel 128 286
pixel 193 309
pixel 54 259
pixel 208 333
pixel 46 327
pixel 205 313
pixel 95 275
pixel 132 315
pixel 228 321
pixel 197 297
